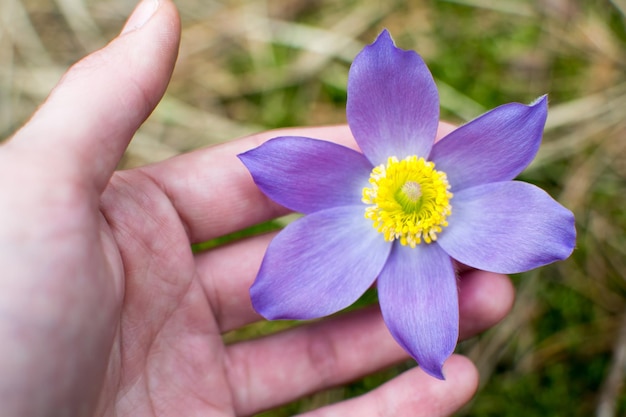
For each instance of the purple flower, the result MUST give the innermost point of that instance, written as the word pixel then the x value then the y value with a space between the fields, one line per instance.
pixel 402 210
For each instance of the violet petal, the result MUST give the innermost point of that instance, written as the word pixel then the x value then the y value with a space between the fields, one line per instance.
pixel 418 297
pixel 393 104
pixel 494 147
pixel 319 264
pixel 507 227
pixel 308 175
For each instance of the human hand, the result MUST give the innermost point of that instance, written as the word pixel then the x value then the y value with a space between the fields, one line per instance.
pixel 105 310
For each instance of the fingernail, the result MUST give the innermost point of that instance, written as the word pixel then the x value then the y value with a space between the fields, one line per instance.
pixel 140 16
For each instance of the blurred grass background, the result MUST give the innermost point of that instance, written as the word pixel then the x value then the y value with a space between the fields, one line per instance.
pixel 251 65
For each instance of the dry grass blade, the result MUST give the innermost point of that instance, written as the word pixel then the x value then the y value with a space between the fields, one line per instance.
pixel 18 26
pixel 620 5
pixel 512 7
pixel 609 393
pixel 82 24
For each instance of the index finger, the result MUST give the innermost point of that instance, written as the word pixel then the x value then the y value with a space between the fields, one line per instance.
pixel 212 190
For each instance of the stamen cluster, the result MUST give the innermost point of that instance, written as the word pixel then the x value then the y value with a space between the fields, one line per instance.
pixel 409 200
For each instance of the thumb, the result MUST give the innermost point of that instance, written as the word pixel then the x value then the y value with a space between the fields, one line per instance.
pixel 91 115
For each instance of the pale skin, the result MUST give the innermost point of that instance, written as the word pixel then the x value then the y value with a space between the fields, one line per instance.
pixel 104 309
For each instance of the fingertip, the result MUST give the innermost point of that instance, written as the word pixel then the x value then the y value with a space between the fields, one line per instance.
pixel 485 298
pixel 147 10
pixel 157 28
pixel 140 16
pixel 460 370
pixel 424 395
pixel 414 393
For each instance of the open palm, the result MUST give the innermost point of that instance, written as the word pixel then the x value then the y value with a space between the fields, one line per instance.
pixel 105 310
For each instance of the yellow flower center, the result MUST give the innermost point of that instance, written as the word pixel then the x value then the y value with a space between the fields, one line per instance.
pixel 408 200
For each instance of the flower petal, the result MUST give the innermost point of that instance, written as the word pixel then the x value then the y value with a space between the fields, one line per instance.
pixel 308 175
pixel 507 227
pixel 494 147
pixel 418 298
pixel 319 264
pixel 393 104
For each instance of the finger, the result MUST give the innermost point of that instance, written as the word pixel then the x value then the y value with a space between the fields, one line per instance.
pixel 212 190
pixel 226 276
pixel 281 367
pixel 91 115
pixel 274 370
pixel 214 193
pixel 312 358
pixel 413 394
pixel 485 298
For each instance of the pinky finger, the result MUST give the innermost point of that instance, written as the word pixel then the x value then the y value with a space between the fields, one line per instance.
pixel 413 394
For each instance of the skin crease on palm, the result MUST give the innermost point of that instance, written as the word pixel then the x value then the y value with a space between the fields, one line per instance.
pixel 104 309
